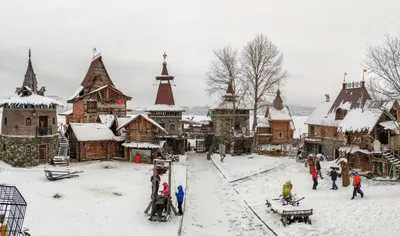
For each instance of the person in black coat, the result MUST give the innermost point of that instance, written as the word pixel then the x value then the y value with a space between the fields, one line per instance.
pixel 157 184
pixel 318 167
pixel 334 178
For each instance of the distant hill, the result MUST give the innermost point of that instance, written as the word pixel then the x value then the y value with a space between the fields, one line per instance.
pixel 202 110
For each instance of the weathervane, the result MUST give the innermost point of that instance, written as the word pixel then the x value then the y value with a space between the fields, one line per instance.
pixel 165 56
pixel 94 53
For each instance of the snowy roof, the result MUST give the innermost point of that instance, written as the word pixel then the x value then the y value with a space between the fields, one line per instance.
pixel 77 92
pixel 283 114
pixel 107 120
pixel 262 122
pixel 123 120
pixel 319 115
pixel 162 107
pixel 141 145
pixel 226 105
pixel 146 118
pixel 350 98
pixel 32 99
pixel 66 113
pixel 392 125
pixel 91 132
pixel 353 149
pixel 358 120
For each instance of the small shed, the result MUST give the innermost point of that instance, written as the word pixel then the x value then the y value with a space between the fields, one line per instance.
pixel 90 141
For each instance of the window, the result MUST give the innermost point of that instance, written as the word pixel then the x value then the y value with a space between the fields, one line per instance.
pixel 4 147
pixel 162 125
pixel 28 149
pixel 54 120
pixel 237 125
pixel 5 120
pixel 28 122
pixel 172 127
pixel 280 135
pixel 340 114
pixel 91 105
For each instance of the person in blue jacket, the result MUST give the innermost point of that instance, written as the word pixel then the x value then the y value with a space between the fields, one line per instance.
pixel 179 198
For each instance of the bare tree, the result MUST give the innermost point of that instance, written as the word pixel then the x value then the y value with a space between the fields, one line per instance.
pixel 262 70
pixel 223 70
pixel 383 61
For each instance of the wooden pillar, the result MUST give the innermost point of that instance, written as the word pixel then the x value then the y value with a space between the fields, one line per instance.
pixel 345 174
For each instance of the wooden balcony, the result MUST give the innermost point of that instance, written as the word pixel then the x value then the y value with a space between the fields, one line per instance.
pixel 43 131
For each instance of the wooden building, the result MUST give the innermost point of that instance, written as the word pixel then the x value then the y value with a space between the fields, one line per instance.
pixel 91 141
pixel 231 124
pixel 323 135
pixel 97 95
pixel 276 127
pixel 29 124
pixel 166 113
pixel 140 138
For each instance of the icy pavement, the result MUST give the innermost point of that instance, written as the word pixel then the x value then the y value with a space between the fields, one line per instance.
pixel 213 207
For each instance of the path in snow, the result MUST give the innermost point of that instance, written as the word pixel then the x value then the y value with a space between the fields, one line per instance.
pixel 213 207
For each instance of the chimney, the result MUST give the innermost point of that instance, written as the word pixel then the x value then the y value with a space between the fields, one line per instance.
pixel 344 81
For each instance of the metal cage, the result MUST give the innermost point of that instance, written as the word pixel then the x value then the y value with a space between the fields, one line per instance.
pixel 12 211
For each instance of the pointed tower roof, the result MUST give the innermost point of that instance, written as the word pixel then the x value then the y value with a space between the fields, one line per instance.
pixel 164 73
pixel 278 102
pixel 97 68
pixel 229 95
pixel 30 76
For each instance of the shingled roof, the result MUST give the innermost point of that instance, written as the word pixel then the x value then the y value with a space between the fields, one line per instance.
pixel 95 64
pixel 352 97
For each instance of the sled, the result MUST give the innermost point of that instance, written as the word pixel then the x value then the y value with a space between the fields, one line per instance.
pixel 163 218
pixel 53 175
pixel 289 211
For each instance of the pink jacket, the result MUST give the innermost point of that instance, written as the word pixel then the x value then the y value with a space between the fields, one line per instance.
pixel 165 190
pixel 314 174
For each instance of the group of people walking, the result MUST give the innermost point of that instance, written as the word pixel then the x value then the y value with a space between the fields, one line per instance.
pixel 316 173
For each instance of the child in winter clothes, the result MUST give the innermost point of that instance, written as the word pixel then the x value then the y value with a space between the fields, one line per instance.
pixel 165 191
pixel 314 175
pixel 334 178
pixel 179 198
pixel 318 165
pixel 357 186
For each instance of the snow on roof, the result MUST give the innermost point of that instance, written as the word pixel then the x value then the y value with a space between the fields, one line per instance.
pixel 358 120
pixel 77 92
pixel 107 120
pixel 319 115
pixel 66 113
pixel 283 114
pixel 141 145
pixel 262 122
pixel 392 125
pixel 163 107
pixel 32 99
pixel 226 105
pixel 146 118
pixel 91 132
pixel 353 149
pixel 123 120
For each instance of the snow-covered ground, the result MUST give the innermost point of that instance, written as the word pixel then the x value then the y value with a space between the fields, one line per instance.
pixel 334 212
pixel 239 167
pixel 108 198
pixel 213 207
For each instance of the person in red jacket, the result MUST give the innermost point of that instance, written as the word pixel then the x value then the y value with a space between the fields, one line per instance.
pixel 314 175
pixel 357 186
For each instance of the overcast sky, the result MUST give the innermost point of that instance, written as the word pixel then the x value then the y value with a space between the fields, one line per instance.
pixel 320 41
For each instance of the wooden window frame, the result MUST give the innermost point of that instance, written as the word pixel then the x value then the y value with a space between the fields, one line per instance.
pixel 28 121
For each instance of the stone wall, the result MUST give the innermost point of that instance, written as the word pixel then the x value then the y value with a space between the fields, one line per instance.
pixel 28 151
pixel 221 121
pixel 166 122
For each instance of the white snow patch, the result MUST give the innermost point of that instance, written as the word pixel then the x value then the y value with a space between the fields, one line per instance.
pixel 33 99
pixel 237 167
pixel 91 132
pixel 283 114
pixel 140 145
pixel 358 120
pixel 320 113
pixel 107 120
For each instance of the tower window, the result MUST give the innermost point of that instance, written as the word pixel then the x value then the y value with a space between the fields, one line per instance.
pixel 28 122
pixel 280 135
pixel 172 127
pixel 4 147
pixel 5 120
pixel 54 120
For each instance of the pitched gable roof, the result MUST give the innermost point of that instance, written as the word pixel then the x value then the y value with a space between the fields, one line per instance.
pixel 95 67
pixel 352 97
pixel 146 118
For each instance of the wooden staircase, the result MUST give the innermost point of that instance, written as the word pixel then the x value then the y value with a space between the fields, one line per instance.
pixel 62 158
pixel 393 157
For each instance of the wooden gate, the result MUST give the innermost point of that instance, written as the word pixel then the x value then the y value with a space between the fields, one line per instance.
pixel 42 152
pixel 200 147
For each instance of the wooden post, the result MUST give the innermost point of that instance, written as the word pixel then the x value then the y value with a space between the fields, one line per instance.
pixel 345 174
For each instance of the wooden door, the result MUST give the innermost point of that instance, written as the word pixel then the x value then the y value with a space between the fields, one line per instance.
pixel 42 152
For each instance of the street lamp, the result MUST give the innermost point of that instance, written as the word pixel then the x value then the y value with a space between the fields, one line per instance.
pixel 33 113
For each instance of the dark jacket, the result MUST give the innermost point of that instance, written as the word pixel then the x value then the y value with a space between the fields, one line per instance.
pixel 160 200
pixel 318 166
pixel 333 175
pixel 180 194
pixel 157 179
